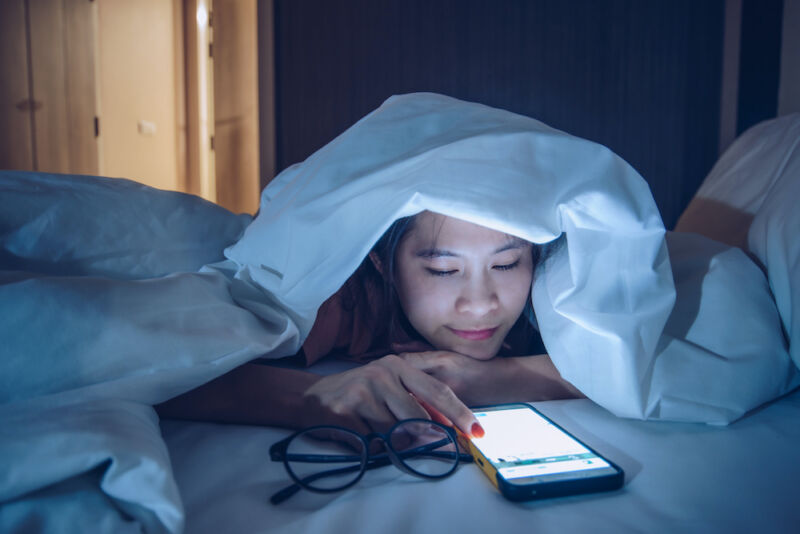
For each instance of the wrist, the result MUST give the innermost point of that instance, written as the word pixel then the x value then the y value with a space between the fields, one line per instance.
pixel 535 378
pixel 489 383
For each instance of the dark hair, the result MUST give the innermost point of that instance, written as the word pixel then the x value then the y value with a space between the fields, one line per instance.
pixel 371 294
pixel 384 316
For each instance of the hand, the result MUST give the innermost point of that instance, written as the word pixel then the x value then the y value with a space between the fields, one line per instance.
pixel 469 378
pixel 376 395
pixel 499 380
pixel 396 348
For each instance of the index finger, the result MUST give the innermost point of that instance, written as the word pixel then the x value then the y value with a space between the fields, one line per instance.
pixel 434 414
pixel 440 402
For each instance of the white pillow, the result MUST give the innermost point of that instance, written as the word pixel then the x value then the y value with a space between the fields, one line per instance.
pixel 750 199
pixel 73 225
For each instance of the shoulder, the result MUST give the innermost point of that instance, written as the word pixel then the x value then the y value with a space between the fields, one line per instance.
pixel 348 322
pixel 327 329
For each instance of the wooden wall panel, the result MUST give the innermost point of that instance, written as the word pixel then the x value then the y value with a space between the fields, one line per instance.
pixel 236 104
pixel 179 72
pixel 48 63
pixel 789 91
pixel 80 29
pixel 16 147
pixel 640 77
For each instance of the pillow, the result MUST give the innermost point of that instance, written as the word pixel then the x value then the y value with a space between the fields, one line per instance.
pixel 90 226
pixel 749 199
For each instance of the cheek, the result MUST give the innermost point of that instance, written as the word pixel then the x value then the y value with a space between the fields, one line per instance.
pixel 515 291
pixel 422 300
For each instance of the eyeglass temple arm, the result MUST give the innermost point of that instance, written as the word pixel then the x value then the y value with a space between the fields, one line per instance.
pixel 290 490
pixel 278 453
pixel 280 496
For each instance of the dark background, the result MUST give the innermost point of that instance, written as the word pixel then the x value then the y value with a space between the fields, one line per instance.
pixel 641 77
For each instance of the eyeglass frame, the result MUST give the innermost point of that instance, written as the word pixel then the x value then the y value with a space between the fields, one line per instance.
pixel 277 453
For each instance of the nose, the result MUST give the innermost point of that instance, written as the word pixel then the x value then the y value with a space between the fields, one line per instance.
pixel 478 297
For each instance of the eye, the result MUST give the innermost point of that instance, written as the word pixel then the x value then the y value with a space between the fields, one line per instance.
pixel 436 272
pixel 506 267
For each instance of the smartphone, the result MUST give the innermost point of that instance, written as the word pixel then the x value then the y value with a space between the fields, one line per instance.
pixel 527 456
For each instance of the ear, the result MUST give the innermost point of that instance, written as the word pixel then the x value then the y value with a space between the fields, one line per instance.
pixel 376 261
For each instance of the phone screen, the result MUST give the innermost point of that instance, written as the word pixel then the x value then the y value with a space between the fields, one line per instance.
pixel 520 443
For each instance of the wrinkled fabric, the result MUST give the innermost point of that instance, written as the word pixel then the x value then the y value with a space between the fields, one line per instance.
pixel 104 312
pixel 721 353
pixel 86 467
pixel 770 154
pixel 602 301
pixel 750 199
pixel 112 228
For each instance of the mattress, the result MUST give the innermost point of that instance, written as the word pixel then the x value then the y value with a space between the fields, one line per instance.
pixel 679 477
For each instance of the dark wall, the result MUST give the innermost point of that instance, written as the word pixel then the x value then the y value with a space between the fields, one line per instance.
pixel 759 62
pixel 642 77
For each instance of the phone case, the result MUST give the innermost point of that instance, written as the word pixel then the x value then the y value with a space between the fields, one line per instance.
pixel 543 490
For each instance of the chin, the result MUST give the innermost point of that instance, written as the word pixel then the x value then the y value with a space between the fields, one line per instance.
pixel 478 350
pixel 478 353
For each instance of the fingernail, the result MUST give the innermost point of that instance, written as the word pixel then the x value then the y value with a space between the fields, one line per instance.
pixel 477 430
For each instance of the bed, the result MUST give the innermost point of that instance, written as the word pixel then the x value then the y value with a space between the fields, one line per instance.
pixel 81 448
pixel 679 477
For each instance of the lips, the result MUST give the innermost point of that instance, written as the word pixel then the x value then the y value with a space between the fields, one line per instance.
pixel 475 335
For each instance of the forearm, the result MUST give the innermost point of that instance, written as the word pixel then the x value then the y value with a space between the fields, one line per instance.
pixel 535 378
pixel 516 379
pixel 251 394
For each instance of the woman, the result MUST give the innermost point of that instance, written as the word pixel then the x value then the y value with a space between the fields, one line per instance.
pixel 437 296
pixel 471 177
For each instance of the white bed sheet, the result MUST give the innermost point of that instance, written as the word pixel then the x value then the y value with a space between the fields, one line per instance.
pixel 680 477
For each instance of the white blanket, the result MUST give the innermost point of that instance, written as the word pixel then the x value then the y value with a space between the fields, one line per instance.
pixel 604 303
pixel 94 329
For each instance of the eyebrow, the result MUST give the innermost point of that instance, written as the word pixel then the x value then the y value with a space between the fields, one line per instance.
pixel 430 253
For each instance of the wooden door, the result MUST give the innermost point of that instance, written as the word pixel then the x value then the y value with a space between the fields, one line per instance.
pixel 47 93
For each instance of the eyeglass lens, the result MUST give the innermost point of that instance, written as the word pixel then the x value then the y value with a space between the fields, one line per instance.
pixel 326 459
pixel 425 448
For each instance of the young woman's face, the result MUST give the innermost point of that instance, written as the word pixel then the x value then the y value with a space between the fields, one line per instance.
pixel 462 286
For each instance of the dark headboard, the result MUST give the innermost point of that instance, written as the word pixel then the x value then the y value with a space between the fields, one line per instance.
pixel 643 78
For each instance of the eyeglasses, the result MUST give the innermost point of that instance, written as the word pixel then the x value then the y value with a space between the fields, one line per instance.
pixel 326 459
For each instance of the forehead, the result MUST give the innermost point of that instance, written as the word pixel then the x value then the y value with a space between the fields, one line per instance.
pixel 433 230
